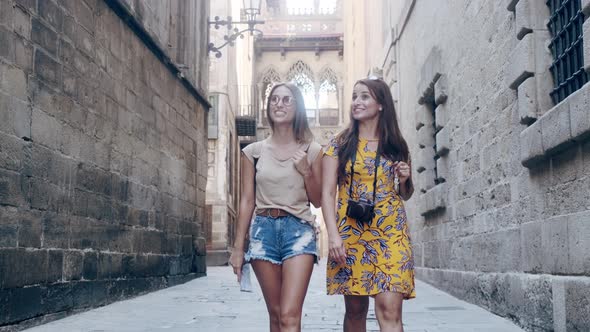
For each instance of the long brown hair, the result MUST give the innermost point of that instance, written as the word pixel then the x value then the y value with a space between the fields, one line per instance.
pixel 392 144
pixel 300 125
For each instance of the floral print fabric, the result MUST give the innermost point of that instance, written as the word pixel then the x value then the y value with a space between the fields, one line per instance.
pixel 379 255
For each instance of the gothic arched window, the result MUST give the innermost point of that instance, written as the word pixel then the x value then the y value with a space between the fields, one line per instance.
pixel 269 79
pixel 301 75
pixel 328 97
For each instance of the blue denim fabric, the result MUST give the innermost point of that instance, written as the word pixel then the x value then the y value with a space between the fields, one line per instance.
pixel 277 239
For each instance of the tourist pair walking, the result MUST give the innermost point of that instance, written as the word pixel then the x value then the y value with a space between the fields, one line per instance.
pixel 360 179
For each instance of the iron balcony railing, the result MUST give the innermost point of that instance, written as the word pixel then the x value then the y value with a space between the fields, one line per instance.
pixel 247 107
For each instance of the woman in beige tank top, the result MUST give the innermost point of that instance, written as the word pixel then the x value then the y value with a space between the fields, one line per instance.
pixel 280 177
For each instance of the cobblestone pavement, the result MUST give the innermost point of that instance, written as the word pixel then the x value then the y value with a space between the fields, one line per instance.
pixel 215 303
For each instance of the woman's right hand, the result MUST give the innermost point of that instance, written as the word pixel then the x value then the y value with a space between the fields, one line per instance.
pixel 337 252
pixel 236 260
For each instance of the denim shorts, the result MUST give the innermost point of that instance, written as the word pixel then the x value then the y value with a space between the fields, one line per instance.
pixel 277 239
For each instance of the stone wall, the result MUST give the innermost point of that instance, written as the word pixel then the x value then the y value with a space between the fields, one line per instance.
pixel 102 153
pixel 502 217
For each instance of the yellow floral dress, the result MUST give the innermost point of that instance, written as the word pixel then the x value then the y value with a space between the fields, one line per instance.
pixel 379 256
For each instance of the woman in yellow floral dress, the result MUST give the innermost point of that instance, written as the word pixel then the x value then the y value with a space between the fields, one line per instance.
pixel 370 251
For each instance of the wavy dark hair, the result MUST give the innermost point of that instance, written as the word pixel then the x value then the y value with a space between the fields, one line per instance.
pixel 300 125
pixel 392 144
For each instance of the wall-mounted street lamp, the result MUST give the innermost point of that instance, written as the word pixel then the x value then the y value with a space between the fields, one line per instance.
pixel 251 10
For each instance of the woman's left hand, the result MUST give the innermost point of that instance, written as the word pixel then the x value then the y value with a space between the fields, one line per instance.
pixel 301 163
pixel 403 171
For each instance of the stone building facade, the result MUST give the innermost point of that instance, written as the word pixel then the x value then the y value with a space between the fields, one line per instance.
pixel 102 152
pixel 223 152
pixel 302 43
pixel 500 146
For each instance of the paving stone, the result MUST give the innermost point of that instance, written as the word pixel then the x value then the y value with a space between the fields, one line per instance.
pixel 215 303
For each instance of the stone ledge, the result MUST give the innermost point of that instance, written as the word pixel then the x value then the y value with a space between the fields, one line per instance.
pixel 434 199
pixel 558 129
pixel 586 7
pixel 442 116
pixel 530 15
pixel 425 137
pixel 440 90
pixel 521 63
pixel 511 5
pixel 527 101
pixel 443 141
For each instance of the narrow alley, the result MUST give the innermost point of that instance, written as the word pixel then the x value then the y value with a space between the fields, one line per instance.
pixel 215 304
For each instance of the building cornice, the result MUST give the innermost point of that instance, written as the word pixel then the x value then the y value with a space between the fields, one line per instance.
pixel 283 43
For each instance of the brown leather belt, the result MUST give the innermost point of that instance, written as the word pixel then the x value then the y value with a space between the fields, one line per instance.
pixel 272 213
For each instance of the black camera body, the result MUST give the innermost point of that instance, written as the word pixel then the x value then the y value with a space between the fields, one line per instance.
pixel 361 210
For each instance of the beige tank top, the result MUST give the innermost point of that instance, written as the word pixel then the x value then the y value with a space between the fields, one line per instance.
pixel 278 184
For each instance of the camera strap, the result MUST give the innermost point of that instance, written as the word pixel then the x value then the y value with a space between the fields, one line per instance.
pixel 377 163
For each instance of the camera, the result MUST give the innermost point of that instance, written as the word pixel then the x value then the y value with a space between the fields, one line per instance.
pixel 361 210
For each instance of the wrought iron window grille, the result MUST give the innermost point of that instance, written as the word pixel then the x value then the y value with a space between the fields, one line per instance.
pixel 565 25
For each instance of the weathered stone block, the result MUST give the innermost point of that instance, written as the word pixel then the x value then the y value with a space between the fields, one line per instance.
pixel 443 141
pixel 424 117
pixel 556 129
pixel 54 266
pixel 22 23
pixel 443 169
pixel 579 242
pixel 13 81
pixel 73 265
pixel 47 68
pixel 521 62
pixel 555 244
pixel 109 265
pixel 12 190
pixel 434 199
pixel 586 7
pixel 530 15
pixel 90 266
pixel 531 145
pixel 538 307
pixel 577 304
pixel 531 247
pixel 23 55
pixel 89 293
pixel 511 5
pixel 29 5
pixel 426 137
pixel 84 14
pixel 56 231
pixel 30 231
pixel 24 303
pixel 6 13
pixel 57 297
pixel 43 195
pixel 45 129
pixel 440 90
pixel 8 227
pixel 44 37
pixel 22 267
pixel 443 115
pixel 424 160
pixel 527 101
pixel 7 42
pixel 52 14
pixel 579 104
